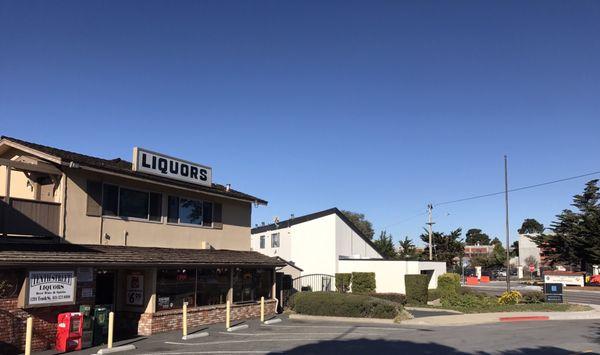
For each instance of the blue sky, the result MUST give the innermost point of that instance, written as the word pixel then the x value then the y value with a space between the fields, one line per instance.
pixel 373 106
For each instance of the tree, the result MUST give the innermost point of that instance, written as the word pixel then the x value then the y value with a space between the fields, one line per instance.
pixel 531 226
pixel 446 247
pixel 498 256
pixel 361 222
pixel 475 236
pixel 514 249
pixel 576 237
pixel 385 246
pixel 407 250
pixel 495 241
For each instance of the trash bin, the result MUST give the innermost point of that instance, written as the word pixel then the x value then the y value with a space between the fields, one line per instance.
pixel 100 325
pixel 87 334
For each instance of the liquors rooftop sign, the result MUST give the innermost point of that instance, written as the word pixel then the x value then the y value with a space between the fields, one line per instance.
pixel 158 164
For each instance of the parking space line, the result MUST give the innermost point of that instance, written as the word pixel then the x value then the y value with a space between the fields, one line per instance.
pixel 279 334
pixel 212 352
pixel 338 326
pixel 242 341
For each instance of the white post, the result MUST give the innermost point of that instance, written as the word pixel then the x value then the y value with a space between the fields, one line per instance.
pixel 184 321
pixel 478 272
pixel 596 270
pixel 28 334
pixel 227 315
pixel 262 309
pixel 520 272
pixel 111 323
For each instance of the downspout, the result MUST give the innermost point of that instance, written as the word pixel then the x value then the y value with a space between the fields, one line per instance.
pixel 63 207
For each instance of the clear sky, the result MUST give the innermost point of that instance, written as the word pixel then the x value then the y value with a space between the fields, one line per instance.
pixel 373 106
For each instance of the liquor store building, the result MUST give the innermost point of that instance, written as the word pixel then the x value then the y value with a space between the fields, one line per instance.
pixel 138 238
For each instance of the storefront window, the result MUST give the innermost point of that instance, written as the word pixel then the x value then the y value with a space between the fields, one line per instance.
pixel 175 286
pixel 213 286
pixel 10 282
pixel 251 284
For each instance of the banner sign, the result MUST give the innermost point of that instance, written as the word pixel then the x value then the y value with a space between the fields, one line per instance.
pixel 51 287
pixel 135 290
pixel 149 162
pixel 575 280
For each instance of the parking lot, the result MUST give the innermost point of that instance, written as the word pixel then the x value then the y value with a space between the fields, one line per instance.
pixel 317 337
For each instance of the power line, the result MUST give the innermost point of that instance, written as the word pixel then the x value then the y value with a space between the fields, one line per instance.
pixel 515 189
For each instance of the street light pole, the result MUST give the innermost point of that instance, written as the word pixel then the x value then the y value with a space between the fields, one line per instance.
pixel 430 223
pixel 507 226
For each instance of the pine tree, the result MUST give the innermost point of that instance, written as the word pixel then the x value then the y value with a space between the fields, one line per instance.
pixel 385 245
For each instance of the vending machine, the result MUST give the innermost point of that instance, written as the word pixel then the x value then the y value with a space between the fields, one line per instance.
pixel 69 331
pixel 87 334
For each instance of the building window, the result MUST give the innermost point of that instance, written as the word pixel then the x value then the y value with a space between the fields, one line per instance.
pixel 250 285
pixel 262 241
pixel 188 211
pixel 123 202
pixel 275 240
pixel 175 286
pixel 213 286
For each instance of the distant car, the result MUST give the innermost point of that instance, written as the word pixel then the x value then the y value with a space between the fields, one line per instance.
pixel 502 273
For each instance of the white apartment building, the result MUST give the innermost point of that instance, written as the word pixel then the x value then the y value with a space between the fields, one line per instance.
pixel 327 242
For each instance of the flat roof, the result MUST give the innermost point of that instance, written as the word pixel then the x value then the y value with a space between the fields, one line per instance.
pixel 124 167
pixel 57 254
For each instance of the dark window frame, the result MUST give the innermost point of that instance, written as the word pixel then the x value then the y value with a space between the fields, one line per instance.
pixel 149 215
pixel 203 220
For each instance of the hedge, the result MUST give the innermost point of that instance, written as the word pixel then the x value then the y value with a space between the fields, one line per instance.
pixel 394 297
pixel 342 281
pixel 363 282
pixel 448 284
pixel 344 305
pixel 416 288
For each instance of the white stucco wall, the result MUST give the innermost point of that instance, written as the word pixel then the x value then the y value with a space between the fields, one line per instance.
pixel 389 274
pixel 527 248
pixel 350 244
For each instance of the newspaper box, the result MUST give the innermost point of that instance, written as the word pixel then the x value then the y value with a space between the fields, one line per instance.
pixel 69 331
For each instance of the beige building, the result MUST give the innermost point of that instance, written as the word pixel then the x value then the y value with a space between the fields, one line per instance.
pixel 140 238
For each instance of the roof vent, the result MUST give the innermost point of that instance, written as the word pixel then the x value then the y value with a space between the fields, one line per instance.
pixel 227 187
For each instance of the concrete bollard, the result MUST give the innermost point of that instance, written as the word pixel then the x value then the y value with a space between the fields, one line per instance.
pixel 262 309
pixel 228 315
pixel 28 334
pixel 185 333
pixel 111 323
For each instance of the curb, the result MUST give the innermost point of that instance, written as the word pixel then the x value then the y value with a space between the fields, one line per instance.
pixel 272 321
pixel 116 349
pixel 195 335
pixel 237 327
pixel 342 319
pixel 523 319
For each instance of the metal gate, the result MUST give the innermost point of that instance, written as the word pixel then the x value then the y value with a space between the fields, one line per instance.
pixel 314 282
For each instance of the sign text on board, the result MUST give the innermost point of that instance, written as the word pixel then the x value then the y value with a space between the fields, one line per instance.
pixel 162 165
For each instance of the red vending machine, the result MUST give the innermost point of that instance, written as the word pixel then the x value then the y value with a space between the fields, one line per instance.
pixel 69 331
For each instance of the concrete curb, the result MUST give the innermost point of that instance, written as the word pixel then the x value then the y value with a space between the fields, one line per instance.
pixel 484 318
pixel 425 309
pixel 116 349
pixel 195 335
pixel 237 327
pixel 272 321
pixel 342 319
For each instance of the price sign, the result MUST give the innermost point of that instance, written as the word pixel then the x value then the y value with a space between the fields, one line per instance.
pixel 135 290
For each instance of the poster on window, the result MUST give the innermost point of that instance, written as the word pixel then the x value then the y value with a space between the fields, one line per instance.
pixel 51 287
pixel 135 290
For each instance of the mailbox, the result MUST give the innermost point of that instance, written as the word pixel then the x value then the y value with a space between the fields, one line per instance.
pixel 69 331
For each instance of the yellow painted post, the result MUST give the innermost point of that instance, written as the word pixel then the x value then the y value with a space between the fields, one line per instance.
pixel 227 315
pixel 111 323
pixel 262 309
pixel 28 334
pixel 185 319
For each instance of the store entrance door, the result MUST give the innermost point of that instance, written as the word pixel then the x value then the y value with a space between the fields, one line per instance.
pixel 105 288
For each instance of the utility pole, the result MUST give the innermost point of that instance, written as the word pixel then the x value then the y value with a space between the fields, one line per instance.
pixel 430 223
pixel 507 226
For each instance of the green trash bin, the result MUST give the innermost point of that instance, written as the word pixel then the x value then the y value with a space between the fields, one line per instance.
pixel 86 339
pixel 100 325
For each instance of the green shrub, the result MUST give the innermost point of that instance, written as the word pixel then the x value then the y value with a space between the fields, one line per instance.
pixel 433 295
pixel 344 305
pixel 510 297
pixel 448 284
pixel 416 288
pixel 469 302
pixel 342 281
pixel 394 297
pixel 533 297
pixel 363 282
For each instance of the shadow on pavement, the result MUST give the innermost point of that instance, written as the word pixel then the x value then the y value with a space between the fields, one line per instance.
pixel 369 346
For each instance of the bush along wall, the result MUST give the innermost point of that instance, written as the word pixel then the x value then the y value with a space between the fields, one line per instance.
pixel 448 284
pixel 342 281
pixel 363 282
pixel 416 289
pixel 344 305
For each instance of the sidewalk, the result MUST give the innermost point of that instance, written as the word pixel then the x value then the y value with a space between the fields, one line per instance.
pixel 483 318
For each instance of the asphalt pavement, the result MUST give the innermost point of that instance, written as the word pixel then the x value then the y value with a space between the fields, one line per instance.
pixel 572 295
pixel 319 337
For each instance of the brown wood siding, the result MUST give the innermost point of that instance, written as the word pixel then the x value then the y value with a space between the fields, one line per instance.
pixel 28 217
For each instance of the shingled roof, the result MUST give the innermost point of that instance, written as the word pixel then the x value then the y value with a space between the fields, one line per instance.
pixel 46 254
pixel 125 167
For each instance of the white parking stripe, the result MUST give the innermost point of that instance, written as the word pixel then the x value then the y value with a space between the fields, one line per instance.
pixel 279 334
pixel 212 352
pixel 348 327
pixel 244 341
